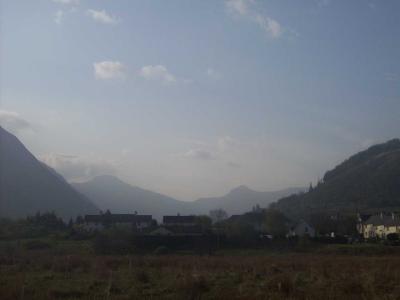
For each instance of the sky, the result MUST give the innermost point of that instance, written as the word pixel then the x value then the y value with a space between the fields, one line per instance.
pixel 194 98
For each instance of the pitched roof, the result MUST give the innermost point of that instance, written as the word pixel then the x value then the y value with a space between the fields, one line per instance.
pixel 386 220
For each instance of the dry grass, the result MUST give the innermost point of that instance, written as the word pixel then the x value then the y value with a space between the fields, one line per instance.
pixel 43 275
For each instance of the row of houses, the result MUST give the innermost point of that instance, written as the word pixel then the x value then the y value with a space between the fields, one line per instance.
pixel 182 225
pixel 171 225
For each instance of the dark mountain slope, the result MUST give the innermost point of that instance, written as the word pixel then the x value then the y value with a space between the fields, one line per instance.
pixel 28 186
pixel 369 180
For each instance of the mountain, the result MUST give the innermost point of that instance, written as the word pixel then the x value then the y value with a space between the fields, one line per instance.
pixel 367 181
pixel 28 186
pixel 109 192
pixel 241 199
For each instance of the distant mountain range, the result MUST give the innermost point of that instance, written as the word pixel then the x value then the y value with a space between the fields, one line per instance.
pixel 242 199
pixel 109 192
pixel 367 181
pixel 28 186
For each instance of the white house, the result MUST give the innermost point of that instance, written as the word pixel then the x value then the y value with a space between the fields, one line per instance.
pixel 302 228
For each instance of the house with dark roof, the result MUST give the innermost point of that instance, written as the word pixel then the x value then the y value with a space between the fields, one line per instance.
pixel 379 226
pixel 179 220
pixel 138 222
pixel 179 226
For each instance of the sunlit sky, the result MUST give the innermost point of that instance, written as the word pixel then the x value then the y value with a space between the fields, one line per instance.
pixel 193 98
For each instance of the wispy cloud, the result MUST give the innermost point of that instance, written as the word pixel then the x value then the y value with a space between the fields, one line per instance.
pixel 199 154
pixel 157 72
pixel 244 8
pixel 222 150
pixel 238 6
pixel 213 74
pixel 59 16
pixel 13 122
pixel 102 16
pixel 75 168
pixel 109 70
pixel 67 2
pixel 269 25
pixel 226 143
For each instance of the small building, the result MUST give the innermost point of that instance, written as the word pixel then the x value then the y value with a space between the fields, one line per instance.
pixel 255 219
pixel 379 226
pixel 179 220
pixel 302 228
pixel 98 222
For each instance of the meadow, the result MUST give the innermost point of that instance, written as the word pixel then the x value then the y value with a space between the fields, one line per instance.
pixel 34 269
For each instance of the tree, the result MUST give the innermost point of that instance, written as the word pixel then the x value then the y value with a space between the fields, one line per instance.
pixel 204 221
pixel 275 222
pixel 218 215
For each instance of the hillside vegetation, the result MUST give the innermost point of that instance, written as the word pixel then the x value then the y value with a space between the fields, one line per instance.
pixel 367 181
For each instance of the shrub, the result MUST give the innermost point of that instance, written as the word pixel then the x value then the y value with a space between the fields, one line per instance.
pixel 392 237
pixel 162 250
pixel 36 245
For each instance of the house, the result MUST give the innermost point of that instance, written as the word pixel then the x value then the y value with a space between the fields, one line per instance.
pixel 179 226
pixel 179 220
pixel 302 228
pixel 255 219
pixel 379 226
pixel 98 222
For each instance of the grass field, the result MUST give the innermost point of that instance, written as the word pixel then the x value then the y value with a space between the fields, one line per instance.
pixel 72 271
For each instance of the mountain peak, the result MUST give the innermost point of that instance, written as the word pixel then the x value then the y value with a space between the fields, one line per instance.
pixel 240 189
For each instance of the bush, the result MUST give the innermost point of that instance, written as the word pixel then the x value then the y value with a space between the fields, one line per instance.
pixel 162 250
pixel 36 245
pixel 103 244
pixel 392 237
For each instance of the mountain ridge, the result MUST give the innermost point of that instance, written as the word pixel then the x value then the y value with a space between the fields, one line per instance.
pixel 126 197
pixel 28 186
pixel 368 180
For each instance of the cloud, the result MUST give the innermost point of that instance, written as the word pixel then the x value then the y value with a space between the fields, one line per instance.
pixel 213 74
pixel 13 122
pixel 109 70
pixel 67 2
pixel 238 6
pixel 271 26
pixel 226 143
pixel 58 16
pixel 199 154
pixel 74 168
pixel 102 16
pixel 157 72
pixel 266 23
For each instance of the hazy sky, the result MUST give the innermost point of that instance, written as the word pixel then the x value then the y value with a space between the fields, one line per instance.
pixel 193 98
